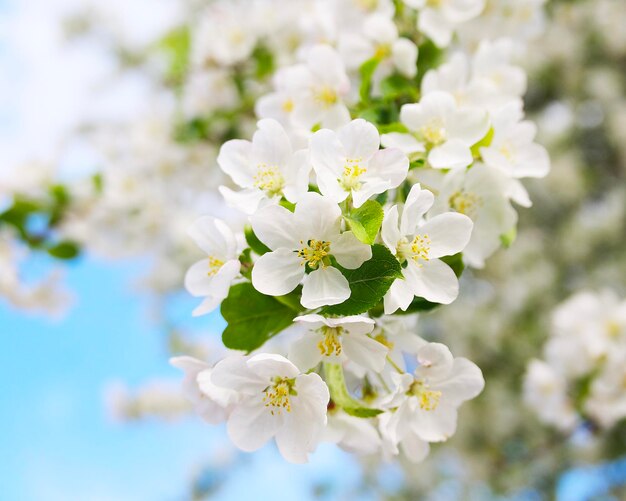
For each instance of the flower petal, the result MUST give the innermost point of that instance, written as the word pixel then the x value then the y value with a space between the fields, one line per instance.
pixel 452 154
pixel 360 139
pixel 449 233
pixel 251 426
pixel 349 251
pixel 365 351
pixel 434 281
pixel 277 273
pixel 235 160
pixel 275 227
pixel 324 286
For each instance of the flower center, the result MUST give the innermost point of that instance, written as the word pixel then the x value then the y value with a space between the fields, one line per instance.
pixel 277 395
pixel 367 4
pixel 214 265
pixel 465 202
pixel 613 328
pixel 433 3
pixel 287 106
pixel 428 399
pixel 325 95
pixel 383 51
pixel 269 179
pixel 314 253
pixel 352 171
pixel 331 344
pixel 507 151
pixel 434 133
pixel 417 249
pixel 384 340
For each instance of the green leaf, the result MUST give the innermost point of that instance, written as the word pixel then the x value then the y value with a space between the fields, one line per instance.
pixel 255 244
pixel 399 87
pixel 264 62
pixel 176 46
pixel 252 318
pixel 509 237
pixel 419 303
pixel 341 396
pixel 366 221
pixel 393 127
pixel 483 143
pixel 366 71
pixel 64 250
pixel 369 283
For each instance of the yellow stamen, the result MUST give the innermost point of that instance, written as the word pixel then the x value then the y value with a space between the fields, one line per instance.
pixel 434 133
pixel 214 265
pixel 277 395
pixel 352 171
pixel 428 399
pixel 269 179
pixel 287 106
pixel 331 344
pixel 465 202
pixel 417 249
pixel 325 95
pixel 314 253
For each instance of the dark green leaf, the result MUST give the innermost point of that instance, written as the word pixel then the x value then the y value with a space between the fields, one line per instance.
pixel 366 71
pixel 365 221
pixel 64 250
pixel 369 283
pixel 252 318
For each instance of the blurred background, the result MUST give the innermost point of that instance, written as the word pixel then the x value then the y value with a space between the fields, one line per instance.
pixel 99 97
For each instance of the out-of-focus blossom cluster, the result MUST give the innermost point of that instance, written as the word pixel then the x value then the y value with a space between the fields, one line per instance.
pixel 582 375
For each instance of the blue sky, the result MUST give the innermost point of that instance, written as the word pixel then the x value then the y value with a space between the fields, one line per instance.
pixel 57 442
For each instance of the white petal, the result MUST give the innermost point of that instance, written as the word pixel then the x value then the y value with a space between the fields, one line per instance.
pixel 435 362
pixel 417 203
pixel 316 217
pixel 437 425
pixel 235 160
pixel 214 237
pixel 297 176
pixel 404 142
pixel 247 201
pixel 434 281
pixel 324 286
pixel 270 365
pixel 400 295
pixel 464 382
pixel 270 144
pixel 349 251
pixel 368 189
pixel 365 351
pixel 391 165
pixel 414 448
pixel 453 154
pixel 233 373
pixel 327 152
pixel 277 273
pixel 304 352
pixel 360 139
pixel 389 230
pixel 469 126
pixel 436 27
pixel 207 305
pixel 275 227
pixel 251 426
pixel 404 55
pixel 449 233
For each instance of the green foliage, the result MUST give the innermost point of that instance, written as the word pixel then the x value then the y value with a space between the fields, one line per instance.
pixel 255 244
pixel 252 317
pixel 64 250
pixel 340 395
pixel 369 283
pixel 366 221
pixel 264 59
pixel 366 71
pixel 398 87
pixel 507 239
pixel 176 46
pixel 483 143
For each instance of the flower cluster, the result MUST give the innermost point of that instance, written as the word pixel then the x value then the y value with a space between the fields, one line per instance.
pixel 366 188
pixel 583 372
